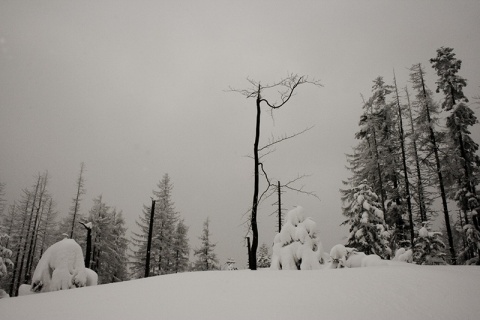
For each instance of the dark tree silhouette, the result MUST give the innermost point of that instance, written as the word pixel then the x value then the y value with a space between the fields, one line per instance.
pixel 286 88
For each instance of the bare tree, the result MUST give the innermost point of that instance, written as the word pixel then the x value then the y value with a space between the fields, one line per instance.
pixel 76 201
pixel 286 88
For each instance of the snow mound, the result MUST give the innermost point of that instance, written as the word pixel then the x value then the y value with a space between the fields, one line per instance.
pixel 297 246
pixel 61 267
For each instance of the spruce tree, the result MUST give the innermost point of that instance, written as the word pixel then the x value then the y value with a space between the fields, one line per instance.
pixel 264 259
pixel 429 248
pixel 206 257
pixel 181 247
pixel 368 230
pixel 109 244
pixel 163 254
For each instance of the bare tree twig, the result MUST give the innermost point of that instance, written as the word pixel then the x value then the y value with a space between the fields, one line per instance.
pixel 285 137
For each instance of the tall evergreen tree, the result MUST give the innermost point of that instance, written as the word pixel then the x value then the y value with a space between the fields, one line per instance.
pixel 109 252
pixel 163 254
pixel 206 257
pixel 165 220
pixel 459 120
pixel 181 247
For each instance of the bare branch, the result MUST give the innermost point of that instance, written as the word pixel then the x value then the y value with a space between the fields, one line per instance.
pixel 289 85
pixel 285 137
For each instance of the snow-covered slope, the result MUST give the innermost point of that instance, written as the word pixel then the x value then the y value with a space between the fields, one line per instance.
pixel 400 291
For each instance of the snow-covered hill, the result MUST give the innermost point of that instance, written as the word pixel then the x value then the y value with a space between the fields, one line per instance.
pixel 398 291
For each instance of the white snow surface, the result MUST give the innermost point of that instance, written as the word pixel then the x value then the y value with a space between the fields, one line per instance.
pixel 397 291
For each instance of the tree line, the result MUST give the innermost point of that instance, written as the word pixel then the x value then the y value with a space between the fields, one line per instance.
pixel 31 224
pixel 415 159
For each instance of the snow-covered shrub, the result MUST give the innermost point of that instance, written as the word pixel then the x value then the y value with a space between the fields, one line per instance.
pixel 338 256
pixel 92 277
pixel 60 267
pixel 368 231
pixel 354 259
pixel 372 260
pixel 404 255
pixel 297 246
pixel 429 248
pixel 25 290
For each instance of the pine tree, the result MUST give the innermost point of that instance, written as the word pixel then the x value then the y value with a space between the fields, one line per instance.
pixel 109 245
pixel 264 259
pixel 166 218
pixel 463 148
pixel 206 257
pixel 181 246
pixel 368 231
pixel 429 248
pixel 163 254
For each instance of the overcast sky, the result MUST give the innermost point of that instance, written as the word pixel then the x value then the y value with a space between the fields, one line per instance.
pixel 136 89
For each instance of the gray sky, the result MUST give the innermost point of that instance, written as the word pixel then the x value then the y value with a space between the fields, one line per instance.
pixel 136 89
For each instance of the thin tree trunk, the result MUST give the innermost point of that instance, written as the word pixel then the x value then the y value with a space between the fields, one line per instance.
pixel 379 169
pixel 279 207
pixel 439 172
pixel 17 256
pixel 252 261
pixel 149 240
pixel 27 237
pixel 421 197
pixel 34 230
pixel 77 198
pixel 404 162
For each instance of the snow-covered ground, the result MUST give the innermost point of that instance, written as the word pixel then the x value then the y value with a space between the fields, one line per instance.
pixel 397 291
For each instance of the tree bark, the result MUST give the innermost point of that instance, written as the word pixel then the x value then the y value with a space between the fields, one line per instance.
pixel 149 241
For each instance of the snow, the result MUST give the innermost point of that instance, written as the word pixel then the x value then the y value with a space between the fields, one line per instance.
pixel 423 232
pixel 61 267
pixel 297 246
pixel 397 291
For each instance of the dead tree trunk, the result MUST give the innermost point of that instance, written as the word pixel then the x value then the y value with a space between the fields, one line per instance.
pixel 287 86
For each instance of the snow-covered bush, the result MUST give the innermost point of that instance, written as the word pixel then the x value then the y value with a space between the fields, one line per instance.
pixel 297 246
pixel 368 231
pixel 404 255
pixel 354 260
pixel 25 290
pixel 60 267
pixel 92 277
pixel 338 256
pixel 429 248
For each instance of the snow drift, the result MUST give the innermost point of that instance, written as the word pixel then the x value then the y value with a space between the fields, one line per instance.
pixel 397 291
